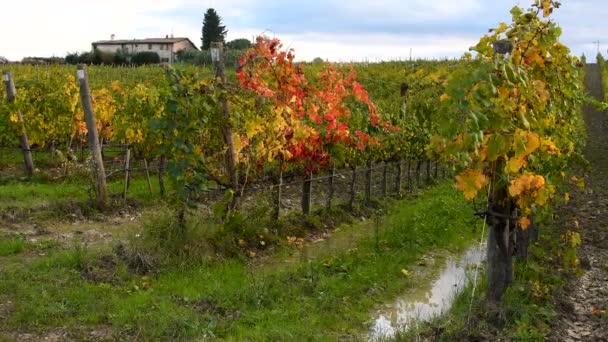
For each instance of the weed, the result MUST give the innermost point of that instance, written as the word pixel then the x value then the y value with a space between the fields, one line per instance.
pixel 10 246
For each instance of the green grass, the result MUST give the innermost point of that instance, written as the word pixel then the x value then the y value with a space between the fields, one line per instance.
pixel 315 299
pixel 41 194
pixel 10 246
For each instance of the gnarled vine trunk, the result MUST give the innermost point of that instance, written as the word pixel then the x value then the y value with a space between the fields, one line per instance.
pixel 502 227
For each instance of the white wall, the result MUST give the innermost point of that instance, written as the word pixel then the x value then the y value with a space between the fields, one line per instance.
pixel 164 51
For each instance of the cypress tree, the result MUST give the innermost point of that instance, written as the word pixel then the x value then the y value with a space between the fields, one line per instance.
pixel 213 30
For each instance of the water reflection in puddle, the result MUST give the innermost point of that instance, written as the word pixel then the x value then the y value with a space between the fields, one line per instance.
pixel 405 312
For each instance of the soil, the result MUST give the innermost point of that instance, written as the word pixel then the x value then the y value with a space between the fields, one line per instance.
pixel 582 306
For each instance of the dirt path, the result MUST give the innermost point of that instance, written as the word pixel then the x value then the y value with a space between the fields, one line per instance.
pixel 579 317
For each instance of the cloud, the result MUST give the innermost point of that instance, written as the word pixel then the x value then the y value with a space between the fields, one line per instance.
pixel 332 29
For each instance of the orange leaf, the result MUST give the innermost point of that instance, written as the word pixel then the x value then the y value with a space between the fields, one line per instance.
pixel 524 222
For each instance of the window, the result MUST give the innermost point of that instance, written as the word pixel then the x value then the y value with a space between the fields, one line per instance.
pixel 149 46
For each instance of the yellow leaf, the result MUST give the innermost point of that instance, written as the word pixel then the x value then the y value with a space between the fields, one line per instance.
pixel 547 145
pixel 503 92
pixel 13 117
pixel 444 97
pixel 405 272
pixel 546 4
pixel 575 239
pixel 525 142
pixel 567 197
pixel 544 194
pixel 502 28
pixel 130 134
pixel 470 182
pixel 515 164
pixel 532 142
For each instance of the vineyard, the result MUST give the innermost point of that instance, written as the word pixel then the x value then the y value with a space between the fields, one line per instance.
pixel 286 201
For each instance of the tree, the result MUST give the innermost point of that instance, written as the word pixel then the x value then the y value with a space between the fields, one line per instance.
pixel 213 30
pixel 3 60
pixel 239 44
pixel 72 58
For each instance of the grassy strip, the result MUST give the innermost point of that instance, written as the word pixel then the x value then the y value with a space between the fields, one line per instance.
pixel 48 198
pixel 311 299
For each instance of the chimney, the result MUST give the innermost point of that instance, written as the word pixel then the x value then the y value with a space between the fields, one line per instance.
pixel 112 36
pixel 166 36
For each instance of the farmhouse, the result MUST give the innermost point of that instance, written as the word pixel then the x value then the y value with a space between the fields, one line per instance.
pixel 166 48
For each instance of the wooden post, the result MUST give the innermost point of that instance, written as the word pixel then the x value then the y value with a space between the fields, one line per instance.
pixel 277 204
pixel 428 171
pixel 148 175
pixel 368 182
pixel 398 179
pixel 353 192
pixel 127 170
pixel 330 187
pixel 306 193
pixel 384 179
pixel 217 56
pixel 161 175
pixel 52 152
pixel 418 167
pixel 409 176
pixel 11 93
pixel 436 168
pixel 97 161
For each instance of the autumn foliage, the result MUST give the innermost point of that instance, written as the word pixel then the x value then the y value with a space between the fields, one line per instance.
pixel 517 122
pixel 307 118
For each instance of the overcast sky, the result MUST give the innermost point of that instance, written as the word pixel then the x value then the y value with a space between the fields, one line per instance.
pixel 338 30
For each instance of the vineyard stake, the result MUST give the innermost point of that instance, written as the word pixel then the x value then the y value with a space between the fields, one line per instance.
pixel 11 93
pixel 368 182
pixel 353 193
pixel 409 176
pixel 384 179
pixel 127 171
pixel 398 180
pixel 306 193
pixel 277 205
pixel 97 161
pixel 148 175
pixel 217 55
pixel 161 175
pixel 330 186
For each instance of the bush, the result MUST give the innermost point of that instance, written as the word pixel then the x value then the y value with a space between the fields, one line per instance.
pixel 204 57
pixel 146 57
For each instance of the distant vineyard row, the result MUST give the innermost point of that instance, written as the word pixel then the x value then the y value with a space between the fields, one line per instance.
pixel 139 105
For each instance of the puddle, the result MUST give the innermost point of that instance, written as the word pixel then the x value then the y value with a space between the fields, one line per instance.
pixel 425 304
